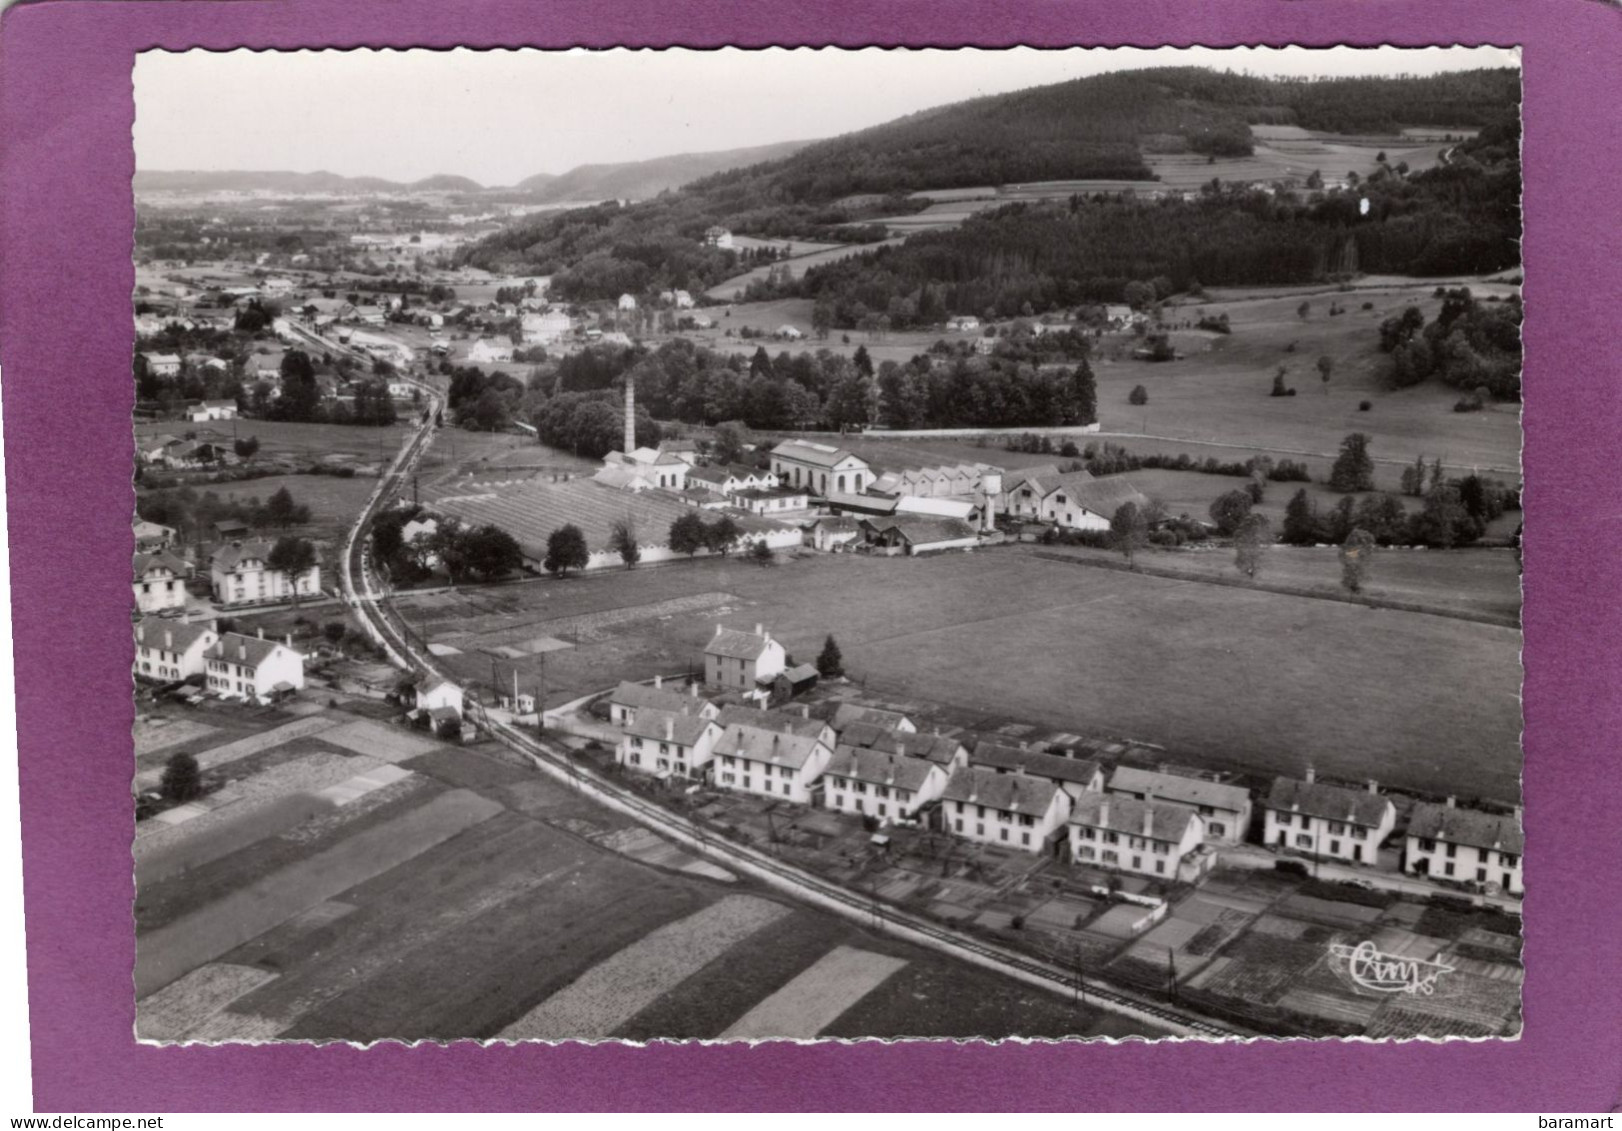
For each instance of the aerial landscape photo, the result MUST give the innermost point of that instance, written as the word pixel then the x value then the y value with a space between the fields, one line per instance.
pixel 982 543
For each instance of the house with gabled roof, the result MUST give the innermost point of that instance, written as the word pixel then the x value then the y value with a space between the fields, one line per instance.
pixel 742 660
pixel 913 536
pixel 1469 846
pixel 211 410
pixel 1225 809
pixel 668 743
pixel 1077 501
pixel 1075 776
pixel 435 692
pixel 1008 810
pixel 820 468
pixel 1148 838
pixel 629 698
pixel 847 713
pixel 875 783
pixel 152 536
pixel 240 574
pixel 771 763
pixel 1329 821
pixel 946 752
pixel 253 666
pixel 168 650
pixel 798 721
pixel 160 582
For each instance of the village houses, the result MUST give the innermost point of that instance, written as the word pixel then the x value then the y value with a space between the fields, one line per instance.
pixel 241 575
pixel 253 666
pixel 874 783
pixel 630 697
pixel 1145 837
pixel 1075 776
pixel 1331 821
pixel 169 650
pixel 435 693
pixel 159 582
pixel 1010 810
pixel 946 752
pixel 152 536
pixel 668 743
pixel 742 661
pixel 211 410
pixel 1225 809
pixel 1446 842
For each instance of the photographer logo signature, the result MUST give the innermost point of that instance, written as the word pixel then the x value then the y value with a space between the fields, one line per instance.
pixel 1388 973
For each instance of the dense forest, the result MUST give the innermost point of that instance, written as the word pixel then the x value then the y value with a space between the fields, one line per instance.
pixel 1461 218
pixel 1097 127
pixel 1471 345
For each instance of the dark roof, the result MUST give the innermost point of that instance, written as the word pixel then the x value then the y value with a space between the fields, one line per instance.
pixel 227 557
pixel 1175 787
pixel 1010 793
pixel 171 636
pixel 1467 826
pixel 790 722
pixel 1000 756
pixel 163 559
pixel 642 695
pixel 668 726
pixel 801 673
pixel 1101 496
pixel 925 531
pixel 879 768
pixel 935 747
pixel 735 645
pixel 444 714
pixel 866 504
pixel 847 713
pixel 1331 802
pixel 774 746
pixel 239 649
pixel 1128 815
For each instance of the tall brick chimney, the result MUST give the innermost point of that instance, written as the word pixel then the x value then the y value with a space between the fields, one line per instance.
pixel 630 414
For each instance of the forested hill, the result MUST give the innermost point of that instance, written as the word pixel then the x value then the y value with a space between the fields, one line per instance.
pixel 1096 127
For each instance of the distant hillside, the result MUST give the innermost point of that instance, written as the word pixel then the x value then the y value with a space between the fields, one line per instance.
pixel 238 180
pixel 639 180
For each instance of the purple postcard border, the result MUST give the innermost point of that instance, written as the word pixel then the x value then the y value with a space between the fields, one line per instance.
pixel 65 280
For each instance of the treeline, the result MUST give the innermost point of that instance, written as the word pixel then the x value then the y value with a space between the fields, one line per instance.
pixel 1112 459
pixel 485 553
pixel 193 512
pixel 1471 345
pixel 1455 512
pixel 302 399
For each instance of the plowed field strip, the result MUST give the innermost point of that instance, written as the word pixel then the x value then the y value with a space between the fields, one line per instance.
pixel 815 999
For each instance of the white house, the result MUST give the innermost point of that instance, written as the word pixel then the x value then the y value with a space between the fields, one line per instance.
pixel 629 698
pixel 432 693
pixel 627 302
pixel 772 763
pixel 211 410
pixel 159 582
pixel 729 479
pixel 241 575
pixel 668 743
pixel 832 531
pixel 150 536
pixel 487 350
pixel 546 328
pixel 1075 776
pixel 798 722
pixel 1225 809
pixel 1467 845
pixel 874 783
pixel 1010 810
pixel 1329 821
pixel 789 333
pixel 742 660
pixel 964 324
pixel 847 713
pixel 171 650
pixel 253 666
pixel 163 364
pixel 820 468
pixel 1144 837
pixel 718 237
pixel 765 501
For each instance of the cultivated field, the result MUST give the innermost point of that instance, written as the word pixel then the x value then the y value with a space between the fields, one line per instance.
pixel 733 287
pixel 474 898
pixel 334 502
pixel 1238 679
pixel 305 442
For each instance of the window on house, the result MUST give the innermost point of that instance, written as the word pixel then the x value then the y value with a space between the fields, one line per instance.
pixel 1003 833
pixel 1334 848
pixel 1302 840
pixel 1447 869
pixel 1218 828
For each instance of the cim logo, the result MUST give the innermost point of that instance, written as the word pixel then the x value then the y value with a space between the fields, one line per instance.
pixel 1388 973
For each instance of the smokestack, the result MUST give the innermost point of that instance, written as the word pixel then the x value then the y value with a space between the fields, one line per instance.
pixel 630 413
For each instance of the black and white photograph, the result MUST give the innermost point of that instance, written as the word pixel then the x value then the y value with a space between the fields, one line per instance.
pixel 832 544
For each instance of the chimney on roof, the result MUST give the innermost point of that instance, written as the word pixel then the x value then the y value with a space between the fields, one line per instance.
pixel 1149 816
pixel 692 689
pixel 289 639
pixel 1517 816
pixel 901 749
pixel 1452 802
pixel 805 710
pixel 169 639
pixel 261 632
pixel 1103 813
pixel 1312 775
pixel 1374 786
pixel 242 650
pixel 718 630
pixel 658 681
pixel 670 728
pixel 760 630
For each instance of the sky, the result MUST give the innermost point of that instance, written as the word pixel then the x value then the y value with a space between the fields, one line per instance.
pixel 501 116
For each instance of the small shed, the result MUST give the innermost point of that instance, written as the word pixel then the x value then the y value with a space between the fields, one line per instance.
pixel 794 681
pixel 230 530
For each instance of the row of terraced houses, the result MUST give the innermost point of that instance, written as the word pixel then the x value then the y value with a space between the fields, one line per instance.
pixel 879 765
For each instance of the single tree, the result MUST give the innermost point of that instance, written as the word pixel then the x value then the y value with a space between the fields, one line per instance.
pixel 830 662
pixel 1354 468
pixel 1086 393
pixel 622 540
pixel 1303 310
pixel 1138 396
pixel 334 631
pixel 1129 530
pixel 565 550
pixel 247 447
pixel 1326 366
pixel 182 778
pixel 1356 557
pixel 293 556
pixel 1300 520
pixel 722 534
pixel 492 553
pixel 1250 543
pixel 687 533
pixel 1229 510
pixel 727 444
pixel 761 554
pixel 281 510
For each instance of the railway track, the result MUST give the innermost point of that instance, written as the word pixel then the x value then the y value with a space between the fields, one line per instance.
pixel 365 596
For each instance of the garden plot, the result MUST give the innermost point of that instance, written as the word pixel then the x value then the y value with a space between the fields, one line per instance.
pixel 156 733
pixel 175 949
pixel 616 990
pixel 648 847
pixel 353 789
pixel 183 1006
pixel 817 997
pixel 381 741
pixel 245 747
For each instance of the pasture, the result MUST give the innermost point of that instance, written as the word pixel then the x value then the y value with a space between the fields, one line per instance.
pixel 334 502
pixel 1235 679
pixel 487 901
pixel 732 288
